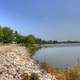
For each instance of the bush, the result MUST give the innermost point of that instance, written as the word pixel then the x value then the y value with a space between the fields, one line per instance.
pixel 32 48
pixel 6 35
pixel 34 76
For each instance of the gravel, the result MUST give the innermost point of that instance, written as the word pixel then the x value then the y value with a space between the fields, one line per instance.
pixel 15 60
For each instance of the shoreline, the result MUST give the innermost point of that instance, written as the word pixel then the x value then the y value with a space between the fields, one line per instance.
pixel 47 68
pixel 15 61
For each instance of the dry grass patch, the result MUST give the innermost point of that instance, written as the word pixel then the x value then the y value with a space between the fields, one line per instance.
pixel 73 73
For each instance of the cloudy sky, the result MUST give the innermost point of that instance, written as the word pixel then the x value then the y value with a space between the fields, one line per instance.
pixel 48 19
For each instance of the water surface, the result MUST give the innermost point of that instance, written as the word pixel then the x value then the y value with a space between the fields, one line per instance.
pixel 59 55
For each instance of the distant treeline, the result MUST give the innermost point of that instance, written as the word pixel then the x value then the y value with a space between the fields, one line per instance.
pixel 69 41
pixel 7 35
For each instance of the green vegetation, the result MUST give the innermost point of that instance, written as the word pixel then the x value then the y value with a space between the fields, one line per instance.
pixel 18 38
pixel 32 49
pixel 6 35
pixel 33 43
pixel 34 76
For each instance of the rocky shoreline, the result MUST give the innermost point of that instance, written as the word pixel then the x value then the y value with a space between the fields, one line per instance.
pixel 15 61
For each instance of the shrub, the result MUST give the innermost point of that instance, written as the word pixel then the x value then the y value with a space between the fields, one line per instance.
pixel 6 35
pixel 34 76
pixel 32 48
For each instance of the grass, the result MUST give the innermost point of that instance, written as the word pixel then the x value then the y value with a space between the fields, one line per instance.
pixel 54 71
pixel 32 49
pixel 73 73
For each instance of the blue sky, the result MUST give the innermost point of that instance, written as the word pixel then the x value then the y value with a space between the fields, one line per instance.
pixel 47 19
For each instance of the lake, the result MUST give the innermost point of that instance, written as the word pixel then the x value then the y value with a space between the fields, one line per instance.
pixel 59 55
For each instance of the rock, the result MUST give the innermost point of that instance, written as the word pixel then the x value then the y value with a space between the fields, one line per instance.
pixel 15 64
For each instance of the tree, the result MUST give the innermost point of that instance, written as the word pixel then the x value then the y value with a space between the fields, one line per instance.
pixel 18 38
pixel 7 35
pixel 34 76
pixel 38 41
pixel 28 40
pixel 1 34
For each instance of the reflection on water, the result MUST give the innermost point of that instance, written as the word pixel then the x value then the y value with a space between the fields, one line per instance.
pixel 59 55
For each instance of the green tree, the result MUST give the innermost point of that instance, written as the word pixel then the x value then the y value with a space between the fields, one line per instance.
pixel 34 76
pixel 38 41
pixel 28 40
pixel 1 34
pixel 7 35
pixel 17 37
